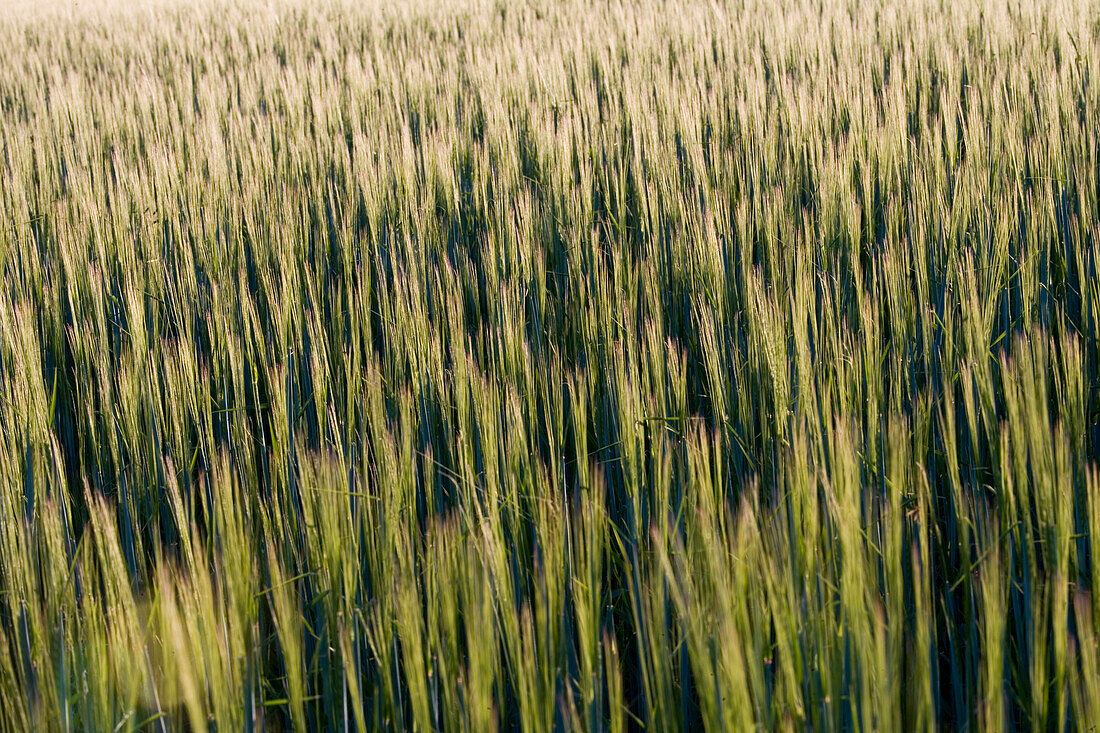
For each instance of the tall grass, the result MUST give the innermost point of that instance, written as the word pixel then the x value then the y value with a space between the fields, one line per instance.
pixel 464 365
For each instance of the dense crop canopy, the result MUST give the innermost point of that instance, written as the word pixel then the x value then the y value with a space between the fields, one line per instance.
pixel 525 364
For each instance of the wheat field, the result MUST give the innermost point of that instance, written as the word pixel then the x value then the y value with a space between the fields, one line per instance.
pixel 541 365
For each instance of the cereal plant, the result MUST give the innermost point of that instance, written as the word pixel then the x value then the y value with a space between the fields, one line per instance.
pixel 593 365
